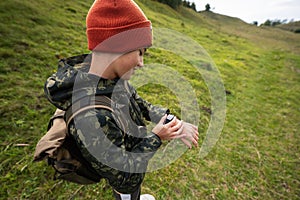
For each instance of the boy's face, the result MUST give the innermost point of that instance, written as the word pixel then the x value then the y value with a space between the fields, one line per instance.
pixel 126 64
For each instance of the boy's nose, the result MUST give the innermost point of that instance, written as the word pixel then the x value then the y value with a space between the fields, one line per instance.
pixel 141 62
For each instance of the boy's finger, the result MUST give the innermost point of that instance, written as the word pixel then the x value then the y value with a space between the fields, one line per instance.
pixel 186 142
pixel 163 119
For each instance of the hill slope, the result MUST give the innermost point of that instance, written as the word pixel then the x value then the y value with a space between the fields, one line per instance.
pixel 292 26
pixel 257 155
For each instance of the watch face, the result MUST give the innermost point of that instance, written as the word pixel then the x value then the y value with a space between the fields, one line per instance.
pixel 169 118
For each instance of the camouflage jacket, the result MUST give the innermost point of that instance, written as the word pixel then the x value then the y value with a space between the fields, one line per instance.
pixel 119 153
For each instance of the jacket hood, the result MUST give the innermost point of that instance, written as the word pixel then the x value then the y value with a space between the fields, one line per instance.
pixel 72 81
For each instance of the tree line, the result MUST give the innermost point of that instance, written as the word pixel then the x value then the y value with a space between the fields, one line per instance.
pixel 189 5
pixel 274 22
pixel 176 3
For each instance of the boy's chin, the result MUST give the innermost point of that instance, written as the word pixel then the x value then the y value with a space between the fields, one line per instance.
pixel 128 75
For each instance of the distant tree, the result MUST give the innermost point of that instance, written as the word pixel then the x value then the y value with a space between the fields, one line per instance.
pixel 274 22
pixel 185 3
pixel 189 5
pixel 267 23
pixel 193 6
pixel 255 23
pixel 207 7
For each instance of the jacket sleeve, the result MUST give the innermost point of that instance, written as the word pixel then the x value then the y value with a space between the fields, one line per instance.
pixel 104 142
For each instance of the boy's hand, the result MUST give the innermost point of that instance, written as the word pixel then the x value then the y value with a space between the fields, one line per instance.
pixel 169 131
pixel 191 135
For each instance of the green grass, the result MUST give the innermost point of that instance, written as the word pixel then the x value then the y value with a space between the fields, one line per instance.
pixel 257 155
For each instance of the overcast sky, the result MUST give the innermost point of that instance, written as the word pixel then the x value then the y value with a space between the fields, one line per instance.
pixel 254 10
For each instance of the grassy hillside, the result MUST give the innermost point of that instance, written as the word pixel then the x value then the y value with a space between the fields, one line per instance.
pixel 292 26
pixel 257 155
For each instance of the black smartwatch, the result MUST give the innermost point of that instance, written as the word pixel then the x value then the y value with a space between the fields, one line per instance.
pixel 169 118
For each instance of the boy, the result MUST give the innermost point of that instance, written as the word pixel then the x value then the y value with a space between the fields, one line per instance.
pixel 118 35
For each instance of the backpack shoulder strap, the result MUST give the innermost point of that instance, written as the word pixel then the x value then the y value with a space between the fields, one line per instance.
pixel 86 103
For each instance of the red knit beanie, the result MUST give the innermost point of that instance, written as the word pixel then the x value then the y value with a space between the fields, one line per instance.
pixel 117 26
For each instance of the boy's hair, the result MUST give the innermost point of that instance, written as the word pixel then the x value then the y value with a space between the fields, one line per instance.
pixel 117 26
